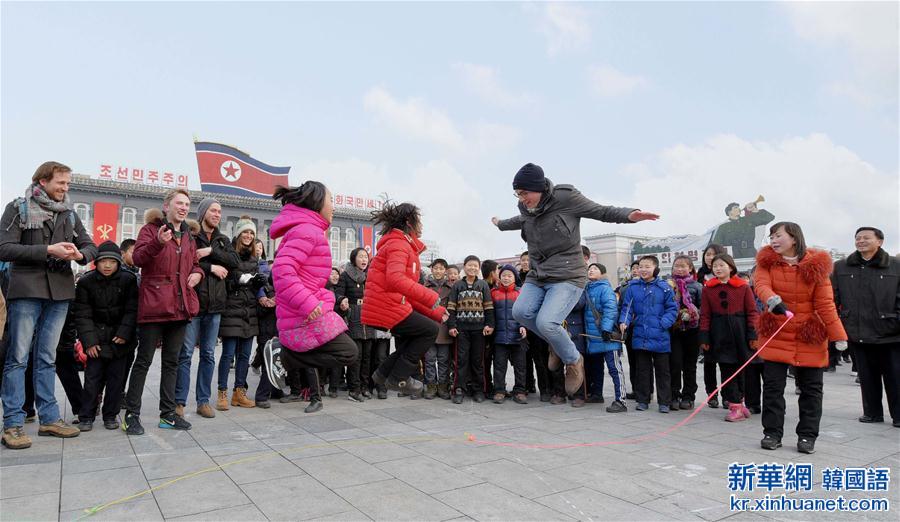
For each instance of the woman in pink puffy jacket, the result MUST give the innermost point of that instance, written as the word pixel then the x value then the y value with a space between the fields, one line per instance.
pixel 313 335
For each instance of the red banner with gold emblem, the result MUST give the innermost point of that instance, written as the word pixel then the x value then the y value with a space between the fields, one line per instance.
pixel 106 221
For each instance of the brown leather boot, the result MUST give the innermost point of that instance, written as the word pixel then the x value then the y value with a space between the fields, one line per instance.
pixel 239 398
pixel 58 429
pixel 575 376
pixel 222 401
pixel 15 438
pixel 205 411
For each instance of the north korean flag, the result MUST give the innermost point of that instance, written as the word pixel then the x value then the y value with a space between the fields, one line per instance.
pixel 227 170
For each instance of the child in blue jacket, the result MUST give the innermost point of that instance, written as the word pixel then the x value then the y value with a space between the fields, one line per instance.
pixel 649 303
pixel 600 315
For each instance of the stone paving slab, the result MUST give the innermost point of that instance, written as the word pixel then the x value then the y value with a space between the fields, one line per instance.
pixel 414 460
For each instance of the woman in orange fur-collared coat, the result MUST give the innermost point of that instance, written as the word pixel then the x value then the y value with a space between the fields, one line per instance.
pixel 790 277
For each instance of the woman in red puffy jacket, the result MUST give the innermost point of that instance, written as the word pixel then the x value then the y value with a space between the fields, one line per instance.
pixel 396 301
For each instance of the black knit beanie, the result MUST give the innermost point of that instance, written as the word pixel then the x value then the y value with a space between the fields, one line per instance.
pixel 530 177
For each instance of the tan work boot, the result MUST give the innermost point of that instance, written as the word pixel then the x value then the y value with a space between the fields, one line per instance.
pixel 179 410
pixel 15 438
pixel 222 401
pixel 239 398
pixel 58 429
pixel 205 411
pixel 575 376
pixel 553 362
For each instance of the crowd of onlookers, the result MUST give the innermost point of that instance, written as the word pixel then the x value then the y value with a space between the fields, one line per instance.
pixel 183 286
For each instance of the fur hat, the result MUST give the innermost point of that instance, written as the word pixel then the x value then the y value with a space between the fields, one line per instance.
pixel 245 223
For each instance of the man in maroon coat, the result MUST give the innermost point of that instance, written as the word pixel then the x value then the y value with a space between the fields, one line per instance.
pixel 167 255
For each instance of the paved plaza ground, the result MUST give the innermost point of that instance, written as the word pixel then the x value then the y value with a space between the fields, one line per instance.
pixel 398 459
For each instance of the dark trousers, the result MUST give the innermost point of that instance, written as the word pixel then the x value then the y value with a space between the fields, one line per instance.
pixel 358 372
pixel 878 367
pixel 66 371
pixel 650 363
pixel 487 364
pixel 753 376
pixel 413 337
pixel 538 352
pixel 515 355
pixel 379 354
pixel 683 364
pixel 733 392
pixel 172 336
pixel 103 376
pixel 809 380
pixel 468 362
pixel 340 351
pixel 710 379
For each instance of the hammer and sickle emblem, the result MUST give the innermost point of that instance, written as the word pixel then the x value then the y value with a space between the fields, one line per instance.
pixel 104 230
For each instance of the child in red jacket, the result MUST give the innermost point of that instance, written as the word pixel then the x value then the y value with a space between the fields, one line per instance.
pixel 396 301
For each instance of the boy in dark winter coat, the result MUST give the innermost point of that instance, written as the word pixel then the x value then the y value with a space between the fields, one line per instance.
pixel 437 358
pixel 649 303
pixel 106 305
pixel 508 338
pixel 471 319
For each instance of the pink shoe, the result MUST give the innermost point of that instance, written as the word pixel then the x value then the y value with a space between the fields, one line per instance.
pixel 734 413
pixel 744 411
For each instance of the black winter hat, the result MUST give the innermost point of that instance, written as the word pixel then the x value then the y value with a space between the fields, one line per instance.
pixel 530 177
pixel 108 250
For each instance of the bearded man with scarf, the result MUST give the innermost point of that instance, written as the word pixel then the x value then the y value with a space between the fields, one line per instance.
pixel 40 235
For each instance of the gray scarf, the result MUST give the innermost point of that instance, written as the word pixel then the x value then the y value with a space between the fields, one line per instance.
pixel 355 273
pixel 40 207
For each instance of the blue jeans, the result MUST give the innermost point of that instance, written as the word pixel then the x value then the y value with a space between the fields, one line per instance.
pixel 542 310
pixel 243 347
pixel 202 330
pixel 34 324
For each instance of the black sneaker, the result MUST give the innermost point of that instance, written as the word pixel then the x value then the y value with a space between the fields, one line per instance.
pixel 478 396
pixel 545 397
pixel 713 403
pixel 132 424
pixel 770 443
pixel 263 404
pixel 382 393
pixel 458 396
pixel 868 420
pixel 333 394
pixel 85 425
pixel 111 424
pixel 293 397
pixel 675 405
pixel 174 422
pixel 807 446
pixel 630 396
pixel 314 406
pixel 686 405
pixel 617 407
pixel 595 399
pixel 355 397
pixel 272 360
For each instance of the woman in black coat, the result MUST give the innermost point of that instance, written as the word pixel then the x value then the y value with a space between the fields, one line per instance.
pixel 349 300
pixel 239 323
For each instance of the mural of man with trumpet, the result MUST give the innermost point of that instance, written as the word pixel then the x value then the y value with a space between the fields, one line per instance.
pixel 739 231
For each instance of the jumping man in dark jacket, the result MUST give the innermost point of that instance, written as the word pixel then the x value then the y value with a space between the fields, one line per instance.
pixel 550 220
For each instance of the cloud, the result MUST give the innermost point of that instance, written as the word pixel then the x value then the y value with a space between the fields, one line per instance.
pixel 868 32
pixel 826 188
pixel 608 82
pixel 564 25
pixel 484 81
pixel 414 117
pixel 458 231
